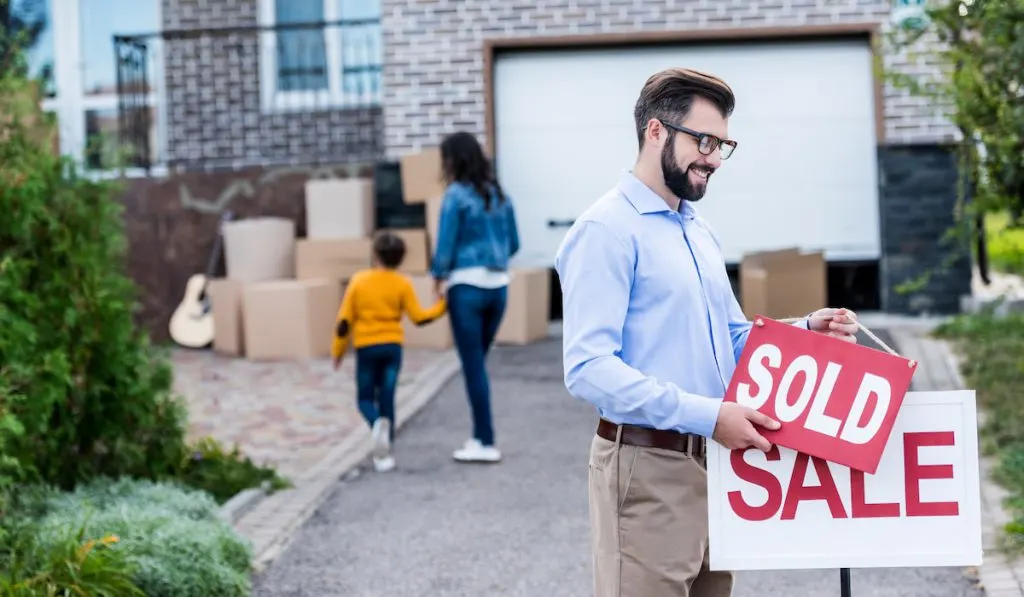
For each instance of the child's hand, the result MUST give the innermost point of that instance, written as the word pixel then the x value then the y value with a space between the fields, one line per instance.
pixel 337 363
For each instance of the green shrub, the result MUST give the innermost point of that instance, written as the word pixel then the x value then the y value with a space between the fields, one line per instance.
pixel 71 565
pixel 171 537
pixel 993 351
pixel 223 474
pixel 1005 244
pixel 83 392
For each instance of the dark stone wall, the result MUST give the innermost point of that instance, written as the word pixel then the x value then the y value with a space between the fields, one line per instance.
pixel 918 195
pixel 172 223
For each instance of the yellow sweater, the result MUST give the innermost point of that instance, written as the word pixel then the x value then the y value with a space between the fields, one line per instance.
pixel 371 311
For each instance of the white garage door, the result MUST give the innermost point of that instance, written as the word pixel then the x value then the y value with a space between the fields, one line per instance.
pixel 804 173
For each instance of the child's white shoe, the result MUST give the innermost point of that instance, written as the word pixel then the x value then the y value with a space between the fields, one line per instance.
pixel 381 437
pixel 474 451
pixel 383 464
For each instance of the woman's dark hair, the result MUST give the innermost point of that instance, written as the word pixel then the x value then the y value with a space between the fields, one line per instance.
pixel 463 160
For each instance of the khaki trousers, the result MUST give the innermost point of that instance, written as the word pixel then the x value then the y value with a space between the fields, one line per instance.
pixel 649 524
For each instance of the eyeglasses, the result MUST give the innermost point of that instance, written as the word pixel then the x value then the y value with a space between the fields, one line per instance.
pixel 706 144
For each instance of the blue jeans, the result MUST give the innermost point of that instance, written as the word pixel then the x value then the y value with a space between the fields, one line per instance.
pixel 475 315
pixel 377 369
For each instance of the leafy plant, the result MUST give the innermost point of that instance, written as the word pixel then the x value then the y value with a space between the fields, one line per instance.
pixel 170 537
pixel 224 474
pixel 966 63
pixel 84 393
pixel 993 351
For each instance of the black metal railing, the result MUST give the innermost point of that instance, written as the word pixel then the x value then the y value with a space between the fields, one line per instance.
pixel 292 93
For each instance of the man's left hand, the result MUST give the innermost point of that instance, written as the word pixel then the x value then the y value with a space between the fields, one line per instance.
pixel 838 323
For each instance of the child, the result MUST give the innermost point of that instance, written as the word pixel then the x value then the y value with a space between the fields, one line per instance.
pixel 371 315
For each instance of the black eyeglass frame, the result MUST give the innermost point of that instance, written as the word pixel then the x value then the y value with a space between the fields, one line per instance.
pixel 716 142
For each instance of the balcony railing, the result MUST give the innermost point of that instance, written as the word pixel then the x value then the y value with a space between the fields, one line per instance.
pixel 291 93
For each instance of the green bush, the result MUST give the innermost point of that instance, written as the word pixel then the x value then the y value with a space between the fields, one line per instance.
pixel 1005 244
pixel 223 474
pixel 170 537
pixel 82 393
pixel 993 351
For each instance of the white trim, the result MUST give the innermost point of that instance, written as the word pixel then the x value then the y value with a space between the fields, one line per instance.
pixel 72 102
pixel 273 100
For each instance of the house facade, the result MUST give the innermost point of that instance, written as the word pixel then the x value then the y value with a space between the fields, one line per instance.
pixel 223 94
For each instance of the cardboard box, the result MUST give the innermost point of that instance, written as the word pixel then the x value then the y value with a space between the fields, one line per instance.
pixel 259 249
pixel 226 306
pixel 528 308
pixel 417 250
pixel 421 176
pixel 433 217
pixel 784 283
pixel 436 334
pixel 339 208
pixel 290 319
pixel 332 259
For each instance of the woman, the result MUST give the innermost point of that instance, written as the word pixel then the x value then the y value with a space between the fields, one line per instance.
pixel 476 237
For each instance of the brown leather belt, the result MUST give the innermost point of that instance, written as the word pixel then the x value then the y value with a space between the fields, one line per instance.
pixel 644 437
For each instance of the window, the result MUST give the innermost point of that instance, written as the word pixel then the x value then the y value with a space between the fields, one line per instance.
pixel 320 53
pixel 99 22
pixel 76 52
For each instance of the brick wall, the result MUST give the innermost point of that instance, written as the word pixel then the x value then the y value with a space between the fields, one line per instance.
pixel 433 61
pixel 918 194
pixel 212 87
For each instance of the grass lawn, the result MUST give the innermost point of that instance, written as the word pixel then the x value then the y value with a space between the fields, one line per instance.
pixel 993 351
pixel 1005 244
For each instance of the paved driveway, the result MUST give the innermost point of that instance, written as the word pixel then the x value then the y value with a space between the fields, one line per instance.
pixel 434 528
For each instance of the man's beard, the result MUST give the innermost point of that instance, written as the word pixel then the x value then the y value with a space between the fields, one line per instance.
pixel 676 179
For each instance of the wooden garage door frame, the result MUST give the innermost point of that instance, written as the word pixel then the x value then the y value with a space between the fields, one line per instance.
pixel 869 31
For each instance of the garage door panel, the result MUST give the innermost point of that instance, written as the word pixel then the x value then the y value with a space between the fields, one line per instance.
pixel 804 122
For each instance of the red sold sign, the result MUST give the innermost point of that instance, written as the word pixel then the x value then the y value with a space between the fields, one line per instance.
pixel 835 400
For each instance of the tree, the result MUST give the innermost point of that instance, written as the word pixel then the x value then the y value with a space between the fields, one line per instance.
pixel 22 22
pixel 978 47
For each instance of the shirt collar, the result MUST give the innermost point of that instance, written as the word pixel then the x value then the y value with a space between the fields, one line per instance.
pixel 645 200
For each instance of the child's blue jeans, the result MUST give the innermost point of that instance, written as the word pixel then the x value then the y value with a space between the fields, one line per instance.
pixel 377 368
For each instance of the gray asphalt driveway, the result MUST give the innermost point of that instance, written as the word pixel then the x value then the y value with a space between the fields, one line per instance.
pixel 435 528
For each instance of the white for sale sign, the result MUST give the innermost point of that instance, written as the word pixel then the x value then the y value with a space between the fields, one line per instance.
pixel 922 507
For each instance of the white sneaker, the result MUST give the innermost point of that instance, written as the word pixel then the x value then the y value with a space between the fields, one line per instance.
pixel 381 437
pixel 383 464
pixel 474 451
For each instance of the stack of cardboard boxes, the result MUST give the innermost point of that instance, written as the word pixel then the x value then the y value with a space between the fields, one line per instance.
pixel 528 308
pixel 280 294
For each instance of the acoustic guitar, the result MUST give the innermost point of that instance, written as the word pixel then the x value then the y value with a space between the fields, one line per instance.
pixel 192 322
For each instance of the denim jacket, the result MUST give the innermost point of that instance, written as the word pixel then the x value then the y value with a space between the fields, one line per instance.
pixel 470 235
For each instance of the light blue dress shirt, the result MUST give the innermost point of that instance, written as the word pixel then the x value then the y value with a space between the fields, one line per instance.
pixel 651 327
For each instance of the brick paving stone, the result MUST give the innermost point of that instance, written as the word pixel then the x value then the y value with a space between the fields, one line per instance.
pixel 284 414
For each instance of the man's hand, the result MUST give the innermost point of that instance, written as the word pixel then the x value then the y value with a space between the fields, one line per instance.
pixel 735 427
pixel 838 323
pixel 439 289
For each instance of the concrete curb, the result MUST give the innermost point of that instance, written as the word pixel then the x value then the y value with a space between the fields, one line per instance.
pixel 271 524
pixel 243 501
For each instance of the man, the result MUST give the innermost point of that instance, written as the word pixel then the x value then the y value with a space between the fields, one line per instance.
pixel 652 333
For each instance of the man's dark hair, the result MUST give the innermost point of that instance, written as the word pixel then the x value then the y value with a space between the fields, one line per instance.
pixel 389 249
pixel 668 95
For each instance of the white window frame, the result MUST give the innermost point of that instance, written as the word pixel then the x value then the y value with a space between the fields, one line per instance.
pixel 274 100
pixel 71 103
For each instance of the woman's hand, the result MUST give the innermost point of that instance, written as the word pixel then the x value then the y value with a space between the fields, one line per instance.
pixel 439 289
